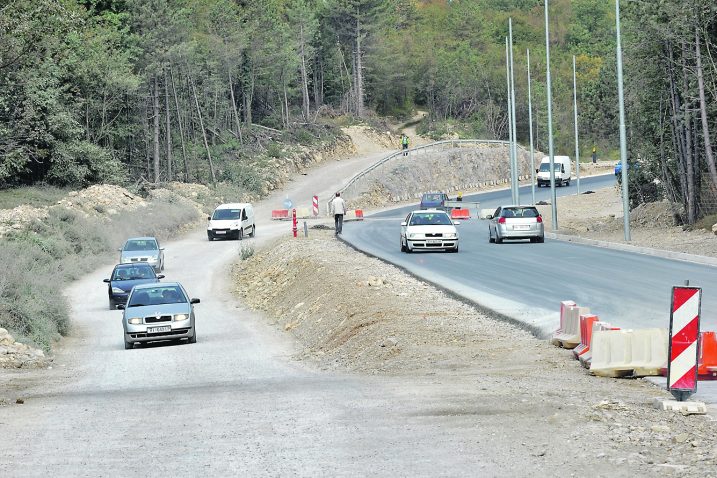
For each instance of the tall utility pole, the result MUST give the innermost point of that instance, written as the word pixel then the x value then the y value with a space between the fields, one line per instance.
pixel 510 117
pixel 551 151
pixel 530 129
pixel 623 134
pixel 514 183
pixel 575 112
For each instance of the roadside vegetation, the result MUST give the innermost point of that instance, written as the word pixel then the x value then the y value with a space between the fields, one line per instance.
pixel 40 260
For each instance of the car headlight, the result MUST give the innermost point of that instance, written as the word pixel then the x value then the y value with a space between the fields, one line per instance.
pixel 117 290
pixel 135 321
pixel 180 317
pixel 412 235
pixel 451 235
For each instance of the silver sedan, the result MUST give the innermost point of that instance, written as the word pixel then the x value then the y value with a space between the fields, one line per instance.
pixel 516 222
pixel 160 311
pixel 143 249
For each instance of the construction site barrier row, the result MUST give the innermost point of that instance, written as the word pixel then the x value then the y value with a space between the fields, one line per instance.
pixel 608 351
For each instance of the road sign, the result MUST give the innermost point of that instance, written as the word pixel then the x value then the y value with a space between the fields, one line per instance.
pixel 315 205
pixel 684 343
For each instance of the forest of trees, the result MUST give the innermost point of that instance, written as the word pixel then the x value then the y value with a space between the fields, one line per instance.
pixel 113 90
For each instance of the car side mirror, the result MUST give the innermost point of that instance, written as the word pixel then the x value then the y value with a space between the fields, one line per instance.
pixel 120 306
pixel 404 223
pixel 161 248
pixel 457 223
pixel 194 301
pixel 209 218
pixel 160 276
pixel 106 281
pixel 489 216
pixel 537 170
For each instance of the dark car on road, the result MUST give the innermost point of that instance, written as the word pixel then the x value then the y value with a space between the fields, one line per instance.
pixel 126 276
pixel 434 201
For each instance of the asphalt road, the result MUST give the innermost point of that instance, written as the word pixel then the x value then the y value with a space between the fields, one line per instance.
pixel 526 282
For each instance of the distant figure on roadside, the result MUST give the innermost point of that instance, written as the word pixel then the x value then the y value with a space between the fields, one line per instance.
pixel 338 208
pixel 594 154
pixel 460 196
pixel 404 144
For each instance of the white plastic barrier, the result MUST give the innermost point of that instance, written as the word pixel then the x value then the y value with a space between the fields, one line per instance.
pixel 620 353
pixel 484 213
pixel 569 336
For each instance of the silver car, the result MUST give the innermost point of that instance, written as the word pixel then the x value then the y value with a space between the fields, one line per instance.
pixel 429 229
pixel 143 249
pixel 516 222
pixel 160 311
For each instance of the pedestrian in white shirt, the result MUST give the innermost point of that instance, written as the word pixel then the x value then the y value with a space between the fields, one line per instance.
pixel 338 206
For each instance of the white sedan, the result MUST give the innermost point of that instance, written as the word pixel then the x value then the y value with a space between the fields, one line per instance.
pixel 429 229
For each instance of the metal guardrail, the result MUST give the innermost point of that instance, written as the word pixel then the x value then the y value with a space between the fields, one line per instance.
pixel 423 147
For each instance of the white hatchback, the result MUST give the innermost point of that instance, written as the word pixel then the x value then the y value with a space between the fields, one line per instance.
pixel 429 229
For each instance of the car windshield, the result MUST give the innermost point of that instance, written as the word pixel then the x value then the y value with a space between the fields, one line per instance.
pixel 520 212
pixel 141 245
pixel 171 294
pixel 428 219
pixel 133 273
pixel 431 198
pixel 225 214
pixel 546 167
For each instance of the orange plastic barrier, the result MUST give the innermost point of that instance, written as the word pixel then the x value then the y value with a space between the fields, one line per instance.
pixel 586 333
pixel 280 214
pixel 460 214
pixel 707 364
pixel 359 214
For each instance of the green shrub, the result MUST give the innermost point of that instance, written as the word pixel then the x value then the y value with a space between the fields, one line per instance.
pixel 246 252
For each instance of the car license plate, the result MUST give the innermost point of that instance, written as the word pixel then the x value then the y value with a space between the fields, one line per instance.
pixel 220 232
pixel 521 228
pixel 434 242
pixel 156 330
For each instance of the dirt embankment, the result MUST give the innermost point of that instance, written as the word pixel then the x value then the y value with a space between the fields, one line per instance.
pixel 351 312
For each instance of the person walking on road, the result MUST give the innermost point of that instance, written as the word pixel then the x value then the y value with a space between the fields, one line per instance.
pixel 338 207
pixel 404 144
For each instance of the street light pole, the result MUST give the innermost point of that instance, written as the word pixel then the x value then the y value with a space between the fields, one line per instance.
pixel 551 151
pixel 575 111
pixel 623 134
pixel 510 116
pixel 530 129
pixel 514 183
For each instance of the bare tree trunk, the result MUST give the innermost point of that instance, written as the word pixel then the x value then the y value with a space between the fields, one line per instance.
pixel 168 132
pixel 304 78
pixel 204 133
pixel 155 117
pixel 181 130
pixel 677 132
pixel 689 158
pixel 359 71
pixel 234 109
pixel 703 112
pixel 286 106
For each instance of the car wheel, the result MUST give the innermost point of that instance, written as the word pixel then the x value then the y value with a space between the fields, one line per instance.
pixel 490 237
pixel 455 249
pixel 567 183
pixel 210 238
pixel 193 338
pixel 128 345
pixel 113 305
pixel 498 239
pixel 253 230
pixel 408 248
pixel 240 234
pixel 403 248
pixel 161 268
pixel 541 239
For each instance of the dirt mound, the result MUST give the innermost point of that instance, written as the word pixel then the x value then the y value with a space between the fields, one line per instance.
pixel 367 140
pixel 18 355
pixel 653 214
pixel 102 199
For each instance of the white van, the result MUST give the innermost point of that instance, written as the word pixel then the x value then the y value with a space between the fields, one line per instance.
pixel 562 171
pixel 234 220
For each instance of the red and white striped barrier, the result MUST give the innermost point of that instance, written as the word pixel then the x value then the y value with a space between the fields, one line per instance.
pixel 280 214
pixel 586 332
pixel 684 334
pixel 315 205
